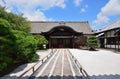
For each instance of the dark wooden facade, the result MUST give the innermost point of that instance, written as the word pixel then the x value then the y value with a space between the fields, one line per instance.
pixel 63 34
pixel 62 37
pixel 110 37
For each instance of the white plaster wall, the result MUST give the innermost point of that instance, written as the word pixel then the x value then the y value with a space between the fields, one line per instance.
pixel 112 46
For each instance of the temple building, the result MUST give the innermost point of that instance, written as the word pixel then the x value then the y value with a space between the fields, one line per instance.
pixel 63 34
pixel 110 36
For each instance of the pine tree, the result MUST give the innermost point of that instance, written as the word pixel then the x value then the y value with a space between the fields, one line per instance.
pixel 92 42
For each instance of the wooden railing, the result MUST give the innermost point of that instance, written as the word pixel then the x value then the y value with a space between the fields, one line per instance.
pixel 81 69
pixel 38 64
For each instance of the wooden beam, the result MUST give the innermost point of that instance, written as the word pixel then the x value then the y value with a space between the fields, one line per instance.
pixel 61 36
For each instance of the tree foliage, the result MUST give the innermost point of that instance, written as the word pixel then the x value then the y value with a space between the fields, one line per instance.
pixel 4 60
pixel 92 42
pixel 26 47
pixel 6 41
pixel 16 44
pixel 17 22
pixel 7 38
pixel 41 40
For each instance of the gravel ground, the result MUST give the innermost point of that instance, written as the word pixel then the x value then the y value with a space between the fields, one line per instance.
pixel 101 64
pixel 43 53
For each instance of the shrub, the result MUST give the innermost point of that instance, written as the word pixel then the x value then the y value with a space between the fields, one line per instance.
pixel 7 38
pixel 4 60
pixel 92 42
pixel 6 41
pixel 14 44
pixel 41 40
pixel 26 47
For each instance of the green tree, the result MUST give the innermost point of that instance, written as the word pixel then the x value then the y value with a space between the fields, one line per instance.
pixel 7 38
pixel 17 22
pixel 16 44
pixel 26 46
pixel 6 41
pixel 4 60
pixel 92 42
pixel 41 40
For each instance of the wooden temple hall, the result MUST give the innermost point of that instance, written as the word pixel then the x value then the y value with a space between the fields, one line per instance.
pixel 109 36
pixel 62 34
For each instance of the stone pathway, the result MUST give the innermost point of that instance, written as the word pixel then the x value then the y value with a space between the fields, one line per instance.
pixel 59 66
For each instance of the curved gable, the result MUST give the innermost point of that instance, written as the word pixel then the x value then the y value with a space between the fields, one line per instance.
pixel 39 27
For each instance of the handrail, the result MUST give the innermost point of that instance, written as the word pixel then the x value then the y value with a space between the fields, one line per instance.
pixel 81 69
pixel 33 67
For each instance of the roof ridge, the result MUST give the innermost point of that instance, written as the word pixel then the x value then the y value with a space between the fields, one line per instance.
pixel 59 21
pixel 111 24
pixel 43 26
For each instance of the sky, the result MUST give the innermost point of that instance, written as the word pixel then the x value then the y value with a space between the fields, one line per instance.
pixel 99 13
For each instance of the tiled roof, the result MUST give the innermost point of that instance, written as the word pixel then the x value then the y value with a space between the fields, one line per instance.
pixel 45 26
pixel 114 25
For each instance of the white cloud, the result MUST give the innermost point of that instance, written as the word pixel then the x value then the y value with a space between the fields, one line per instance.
pixel 101 19
pixel 35 16
pixel 32 9
pixel 84 9
pixel 60 3
pixel 77 2
pixel 1 2
pixel 110 9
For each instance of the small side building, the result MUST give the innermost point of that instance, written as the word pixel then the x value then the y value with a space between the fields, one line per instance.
pixel 62 34
pixel 110 36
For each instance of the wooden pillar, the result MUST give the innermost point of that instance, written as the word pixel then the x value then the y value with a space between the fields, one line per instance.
pixel 49 43
pixel 73 42
pixel 115 39
pixel 105 39
pixel 118 42
pixel 110 39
